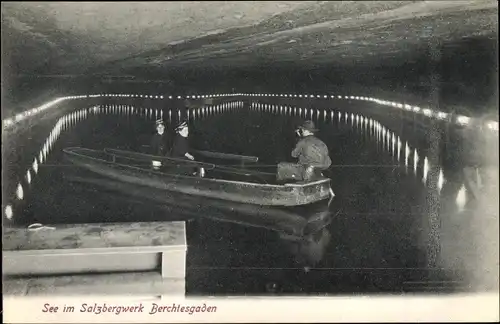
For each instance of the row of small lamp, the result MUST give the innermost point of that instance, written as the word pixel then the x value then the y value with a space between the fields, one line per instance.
pixel 460 119
pixel 68 120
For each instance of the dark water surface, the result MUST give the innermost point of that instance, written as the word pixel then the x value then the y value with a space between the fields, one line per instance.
pixel 374 242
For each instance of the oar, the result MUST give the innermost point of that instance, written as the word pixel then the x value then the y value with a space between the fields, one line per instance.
pixel 208 166
pixel 132 155
pixel 227 156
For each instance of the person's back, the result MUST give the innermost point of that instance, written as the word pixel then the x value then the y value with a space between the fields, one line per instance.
pixel 312 155
pixel 311 151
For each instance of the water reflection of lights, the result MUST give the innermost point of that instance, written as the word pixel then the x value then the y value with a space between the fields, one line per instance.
pixel 415 161
pixel 9 213
pixel 441 180
pixel 461 199
pixel 426 170
pixel 463 120
pixel 492 125
pixel 388 139
pixel 20 192
pixel 399 148
pixel 407 153
pixel 35 166
pixel 393 144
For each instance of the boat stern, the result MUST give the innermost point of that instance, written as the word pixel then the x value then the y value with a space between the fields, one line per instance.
pixel 308 193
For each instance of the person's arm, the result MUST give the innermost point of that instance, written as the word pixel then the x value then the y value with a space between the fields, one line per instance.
pixel 181 148
pixel 298 149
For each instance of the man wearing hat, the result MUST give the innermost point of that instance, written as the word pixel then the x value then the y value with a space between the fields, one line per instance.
pixel 180 148
pixel 160 144
pixel 312 154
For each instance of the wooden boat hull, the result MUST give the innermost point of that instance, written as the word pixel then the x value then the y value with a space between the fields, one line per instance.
pixel 293 221
pixel 101 163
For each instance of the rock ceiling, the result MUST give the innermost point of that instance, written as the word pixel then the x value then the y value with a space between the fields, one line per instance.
pixel 119 38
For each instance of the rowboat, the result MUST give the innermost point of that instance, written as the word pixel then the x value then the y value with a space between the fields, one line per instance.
pixel 290 222
pixel 220 182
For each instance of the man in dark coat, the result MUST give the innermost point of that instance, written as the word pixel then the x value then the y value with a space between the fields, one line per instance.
pixel 160 144
pixel 180 149
pixel 312 154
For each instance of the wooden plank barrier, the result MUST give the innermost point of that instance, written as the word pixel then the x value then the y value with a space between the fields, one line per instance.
pixel 107 258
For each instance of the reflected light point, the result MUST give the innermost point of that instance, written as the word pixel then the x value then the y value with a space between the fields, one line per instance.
pixel 493 125
pixel 463 120
pixel 426 169
pixel 461 199
pixel 9 212
pixel 20 192
pixel 440 180
pixel 35 166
